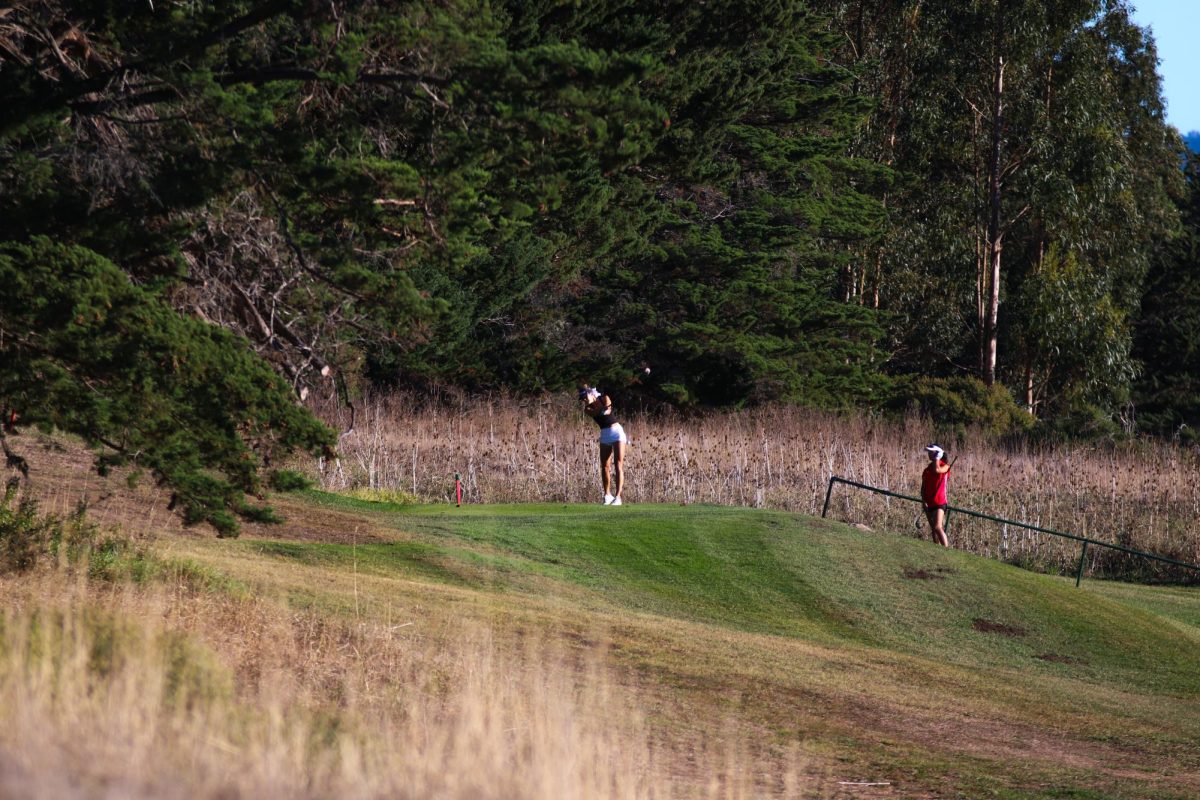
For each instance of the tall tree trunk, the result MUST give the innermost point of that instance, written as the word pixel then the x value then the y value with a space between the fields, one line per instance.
pixel 1030 398
pixel 980 233
pixel 877 278
pixel 995 243
pixel 1030 403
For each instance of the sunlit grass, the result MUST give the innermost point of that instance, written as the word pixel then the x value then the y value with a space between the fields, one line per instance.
pixel 559 650
pixel 177 693
pixel 393 497
pixel 1142 495
pixel 807 637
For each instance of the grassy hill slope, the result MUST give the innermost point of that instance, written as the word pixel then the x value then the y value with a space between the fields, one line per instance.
pixel 880 659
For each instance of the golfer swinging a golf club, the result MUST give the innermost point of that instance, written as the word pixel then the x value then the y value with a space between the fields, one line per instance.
pixel 933 493
pixel 598 406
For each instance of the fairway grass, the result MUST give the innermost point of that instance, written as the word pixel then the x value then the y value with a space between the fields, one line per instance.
pixel 879 658
pixel 657 651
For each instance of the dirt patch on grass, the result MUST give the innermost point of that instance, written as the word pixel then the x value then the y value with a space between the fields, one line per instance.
pixel 987 626
pixel 310 523
pixel 62 478
pixel 1057 659
pixel 935 574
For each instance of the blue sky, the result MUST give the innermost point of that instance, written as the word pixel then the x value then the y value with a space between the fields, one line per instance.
pixel 1176 28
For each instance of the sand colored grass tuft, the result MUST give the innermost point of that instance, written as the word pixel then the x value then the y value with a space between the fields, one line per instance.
pixel 172 692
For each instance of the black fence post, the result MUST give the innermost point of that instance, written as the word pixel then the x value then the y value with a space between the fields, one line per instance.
pixel 1082 556
pixel 828 491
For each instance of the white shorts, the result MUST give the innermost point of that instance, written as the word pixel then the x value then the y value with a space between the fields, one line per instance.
pixel 612 434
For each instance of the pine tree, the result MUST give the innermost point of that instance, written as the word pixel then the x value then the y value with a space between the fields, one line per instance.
pixel 85 351
pixel 718 254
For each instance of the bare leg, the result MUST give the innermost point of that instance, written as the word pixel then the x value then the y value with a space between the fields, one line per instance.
pixel 618 450
pixel 937 525
pixel 606 452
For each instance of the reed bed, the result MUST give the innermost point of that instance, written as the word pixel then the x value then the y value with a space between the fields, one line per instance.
pixel 126 691
pixel 1143 495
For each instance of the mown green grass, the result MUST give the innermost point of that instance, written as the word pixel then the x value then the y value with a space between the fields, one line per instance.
pixel 782 574
pixel 861 645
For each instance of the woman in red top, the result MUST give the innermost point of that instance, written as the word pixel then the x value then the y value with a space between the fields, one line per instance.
pixel 933 493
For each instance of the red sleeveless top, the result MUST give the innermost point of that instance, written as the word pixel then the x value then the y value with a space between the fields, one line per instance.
pixel 933 486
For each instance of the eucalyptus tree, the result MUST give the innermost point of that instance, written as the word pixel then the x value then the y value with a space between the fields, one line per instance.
pixel 1167 393
pixel 1016 128
pixel 1102 200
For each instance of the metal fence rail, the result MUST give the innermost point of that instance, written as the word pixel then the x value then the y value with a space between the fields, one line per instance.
pixel 1082 539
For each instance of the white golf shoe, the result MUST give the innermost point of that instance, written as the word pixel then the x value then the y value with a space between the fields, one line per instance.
pixel 616 501
pixel 608 499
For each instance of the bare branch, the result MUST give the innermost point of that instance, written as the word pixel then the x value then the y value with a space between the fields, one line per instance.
pixel 1009 225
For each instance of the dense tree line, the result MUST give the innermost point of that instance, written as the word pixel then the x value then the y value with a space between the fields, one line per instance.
pixel 1039 182
pixel 209 209
pixel 1167 341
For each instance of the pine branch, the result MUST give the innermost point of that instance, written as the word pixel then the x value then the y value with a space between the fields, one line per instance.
pixel 66 93
pixel 253 77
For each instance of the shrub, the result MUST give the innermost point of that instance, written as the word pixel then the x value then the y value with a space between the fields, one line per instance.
pixel 286 480
pixel 1083 422
pixel 396 497
pixel 955 404
pixel 24 533
pixel 73 540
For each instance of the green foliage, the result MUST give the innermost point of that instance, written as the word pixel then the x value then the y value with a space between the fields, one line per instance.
pixel 1073 338
pixel 24 533
pixel 286 480
pixel 1083 421
pixel 116 558
pixel 27 535
pixel 84 350
pixel 521 194
pixel 1084 158
pixel 732 298
pixel 77 540
pixel 1167 343
pixel 705 244
pixel 955 404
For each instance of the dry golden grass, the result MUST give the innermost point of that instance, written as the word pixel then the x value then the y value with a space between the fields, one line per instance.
pixel 121 691
pixel 1141 495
